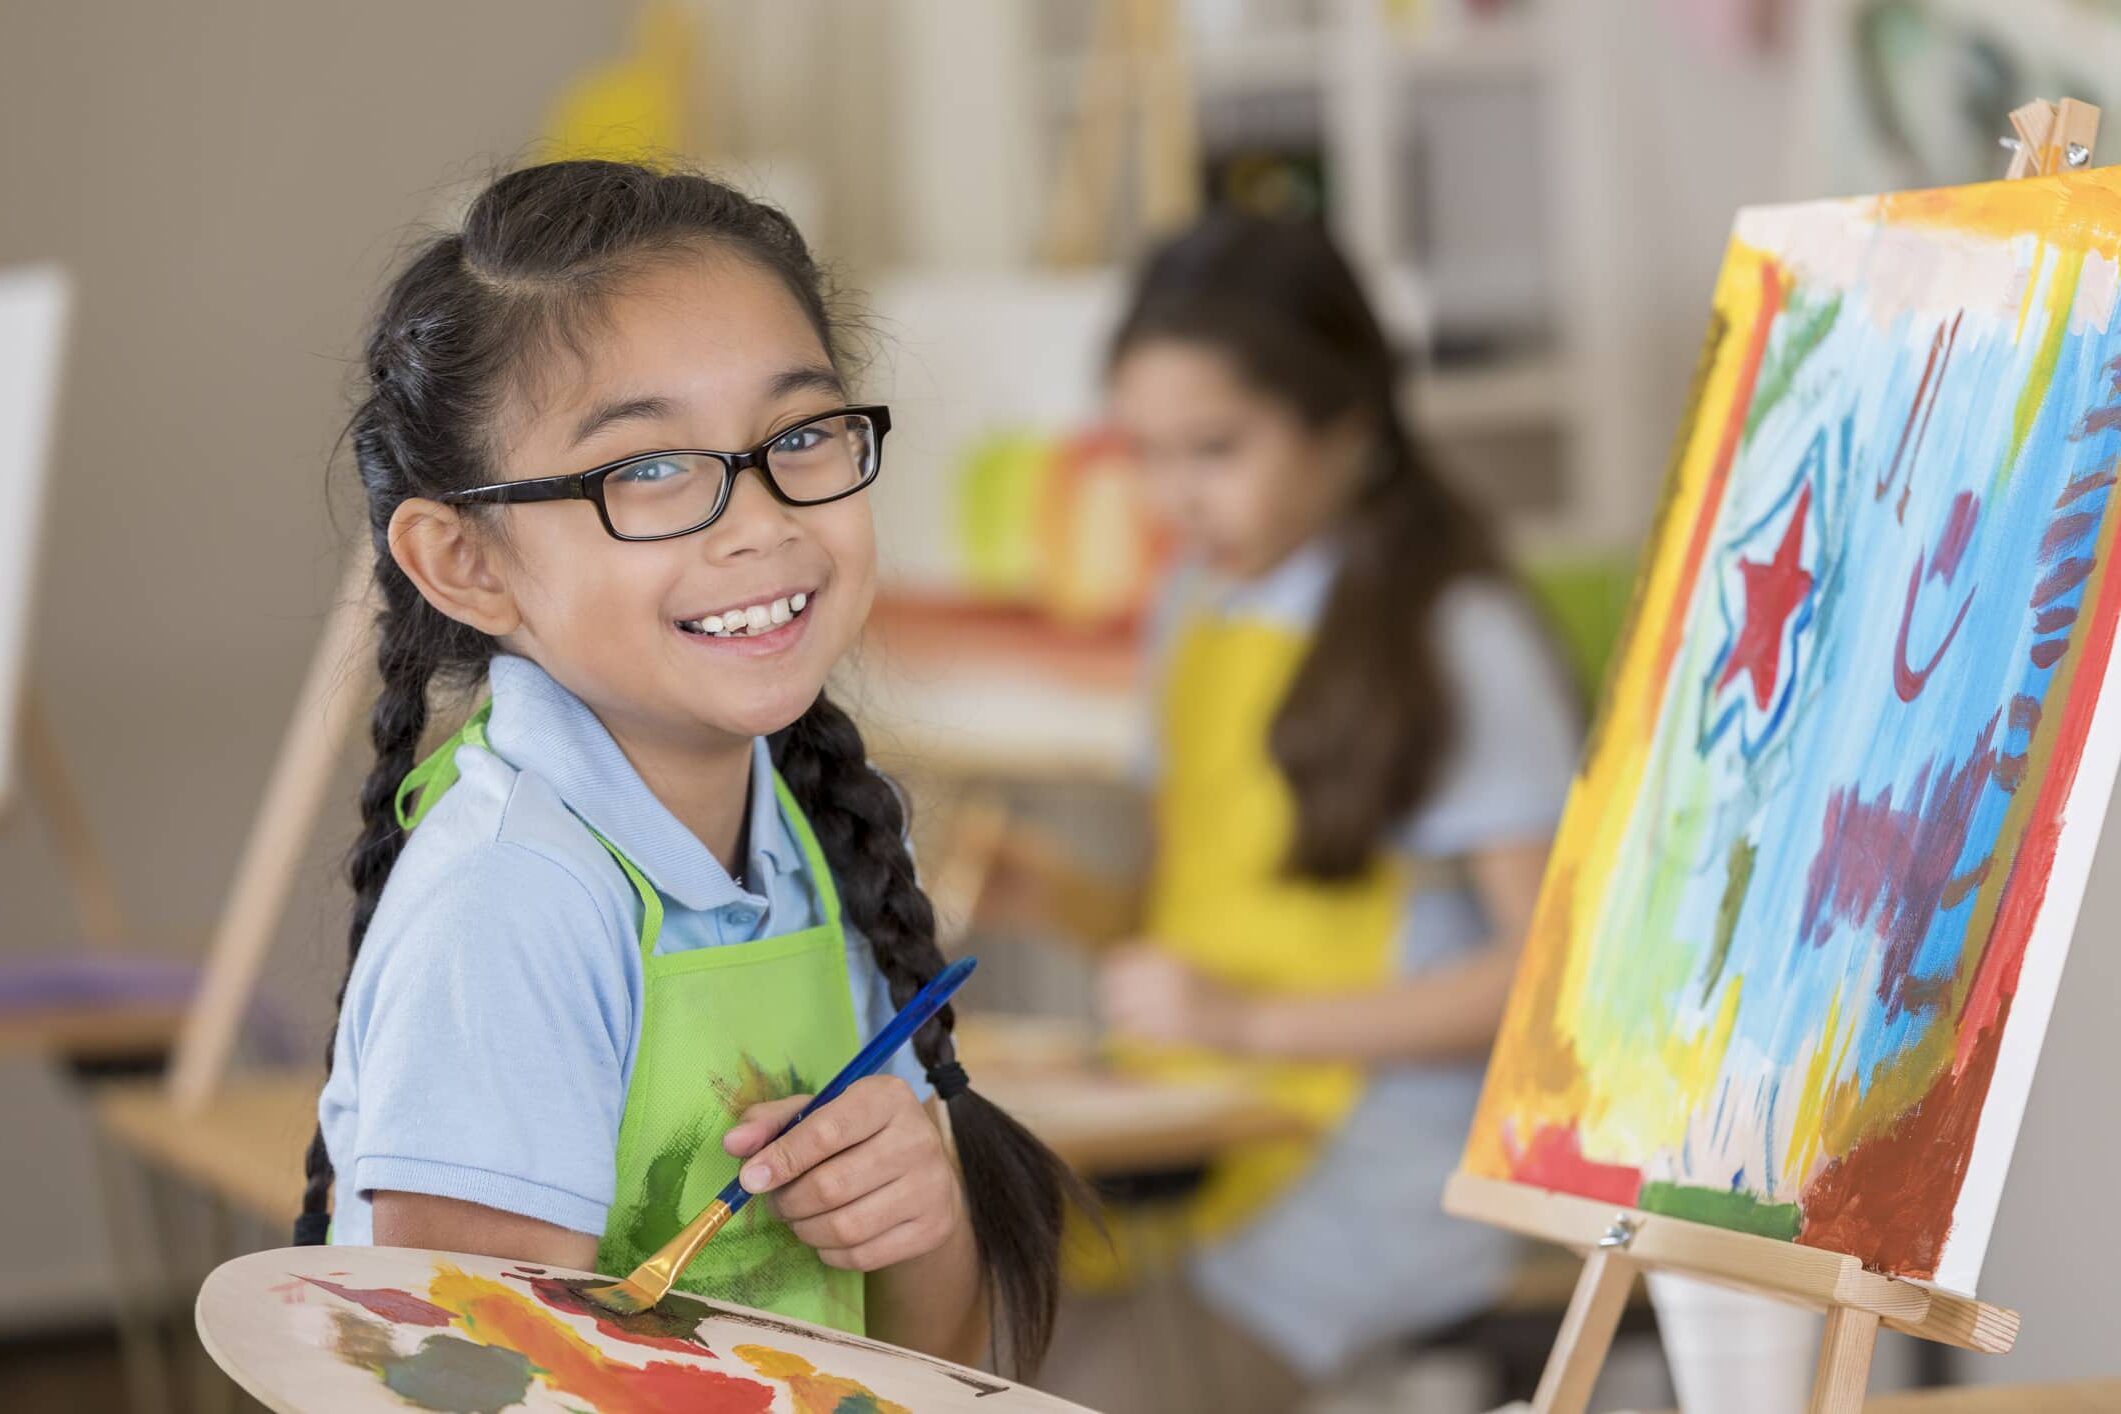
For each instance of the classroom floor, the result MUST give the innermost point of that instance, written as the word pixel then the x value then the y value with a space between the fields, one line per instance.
pixel 70 1372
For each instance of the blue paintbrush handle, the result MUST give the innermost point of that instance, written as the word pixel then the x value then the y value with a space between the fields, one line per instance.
pixel 873 1057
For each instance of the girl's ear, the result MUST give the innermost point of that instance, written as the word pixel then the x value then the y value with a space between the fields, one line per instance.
pixel 455 567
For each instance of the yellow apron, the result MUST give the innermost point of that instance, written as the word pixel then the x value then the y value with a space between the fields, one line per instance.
pixel 1222 900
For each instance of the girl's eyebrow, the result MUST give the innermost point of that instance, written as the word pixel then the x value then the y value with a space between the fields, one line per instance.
pixel 621 410
pixel 809 378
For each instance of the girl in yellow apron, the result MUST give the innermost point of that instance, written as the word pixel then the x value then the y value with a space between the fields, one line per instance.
pixel 1363 741
pixel 651 893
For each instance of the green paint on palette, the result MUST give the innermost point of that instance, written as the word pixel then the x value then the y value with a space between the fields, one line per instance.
pixel 446 1374
pixel 1806 329
pixel 1740 1212
pixel 1737 878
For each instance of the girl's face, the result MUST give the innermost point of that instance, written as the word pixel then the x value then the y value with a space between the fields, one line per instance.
pixel 713 353
pixel 1238 476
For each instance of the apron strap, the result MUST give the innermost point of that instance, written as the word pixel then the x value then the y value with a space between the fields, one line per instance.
pixel 828 894
pixel 437 772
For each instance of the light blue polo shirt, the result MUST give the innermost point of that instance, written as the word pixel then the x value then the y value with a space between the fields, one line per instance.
pixel 1360 1251
pixel 491 1023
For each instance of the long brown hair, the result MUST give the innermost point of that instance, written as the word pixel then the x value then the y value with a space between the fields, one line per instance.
pixel 1367 723
pixel 540 250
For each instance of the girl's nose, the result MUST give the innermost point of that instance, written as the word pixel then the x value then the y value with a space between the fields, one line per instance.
pixel 753 522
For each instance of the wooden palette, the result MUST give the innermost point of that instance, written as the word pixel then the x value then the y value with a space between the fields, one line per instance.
pixel 352 1330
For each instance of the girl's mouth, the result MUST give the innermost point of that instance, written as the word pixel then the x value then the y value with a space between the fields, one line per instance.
pixel 749 621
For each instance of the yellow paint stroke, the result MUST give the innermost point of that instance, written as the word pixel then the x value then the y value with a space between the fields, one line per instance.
pixel 1639 1091
pixel 1536 1075
pixel 2061 298
pixel 1829 1054
pixel 812 1392
pixel 2080 211
pixel 2031 296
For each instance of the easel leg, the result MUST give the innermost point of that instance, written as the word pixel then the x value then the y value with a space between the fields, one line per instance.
pixel 1844 1361
pixel 1587 1334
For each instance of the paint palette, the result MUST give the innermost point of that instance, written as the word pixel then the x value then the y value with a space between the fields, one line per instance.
pixel 360 1329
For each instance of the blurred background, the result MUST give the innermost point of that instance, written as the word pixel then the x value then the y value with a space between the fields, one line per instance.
pixel 1537 195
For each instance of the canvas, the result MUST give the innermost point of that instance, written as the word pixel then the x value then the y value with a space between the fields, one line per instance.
pixel 1807 910
pixel 390 1328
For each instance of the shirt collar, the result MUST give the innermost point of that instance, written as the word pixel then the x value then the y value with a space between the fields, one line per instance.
pixel 1295 589
pixel 541 727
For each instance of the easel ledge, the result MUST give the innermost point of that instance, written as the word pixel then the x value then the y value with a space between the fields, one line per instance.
pixel 1805 1276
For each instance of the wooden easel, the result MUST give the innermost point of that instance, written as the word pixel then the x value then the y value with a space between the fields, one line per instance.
pixel 1617 1243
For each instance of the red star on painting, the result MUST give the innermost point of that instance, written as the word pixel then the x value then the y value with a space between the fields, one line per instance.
pixel 1772 593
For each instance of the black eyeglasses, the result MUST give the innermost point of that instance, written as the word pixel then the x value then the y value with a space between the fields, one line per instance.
pixel 662 495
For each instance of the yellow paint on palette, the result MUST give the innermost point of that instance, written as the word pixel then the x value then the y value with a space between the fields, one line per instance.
pixel 1535 1074
pixel 639 106
pixel 813 1391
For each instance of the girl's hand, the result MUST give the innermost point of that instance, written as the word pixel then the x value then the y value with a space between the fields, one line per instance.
pixel 866 1180
pixel 1147 993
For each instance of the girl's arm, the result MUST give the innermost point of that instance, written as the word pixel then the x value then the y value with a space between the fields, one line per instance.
pixel 1444 1014
pixel 453 1225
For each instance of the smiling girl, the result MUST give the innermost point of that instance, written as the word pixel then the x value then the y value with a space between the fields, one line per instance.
pixel 607 937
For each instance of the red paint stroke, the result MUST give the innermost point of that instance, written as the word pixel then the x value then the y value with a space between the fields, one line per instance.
pixel 2048 651
pixel 2083 486
pixel 1772 290
pixel 1923 404
pixel 2061 580
pixel 1887 868
pixel 2104 419
pixel 572 1366
pixel 2048 620
pixel 1772 593
pixel 1909 682
pixel 2064 531
pixel 388 1302
pixel 1889 1200
pixel 2025 712
pixel 2010 772
pixel 1554 1160
pixel 1952 540
pixel 1996 979
pixel 528 1271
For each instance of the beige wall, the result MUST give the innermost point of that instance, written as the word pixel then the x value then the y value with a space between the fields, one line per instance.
pixel 227 180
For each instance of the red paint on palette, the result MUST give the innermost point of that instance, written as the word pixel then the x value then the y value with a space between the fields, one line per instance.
pixel 388 1302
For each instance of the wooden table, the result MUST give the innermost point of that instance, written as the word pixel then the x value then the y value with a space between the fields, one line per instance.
pixel 2091 1397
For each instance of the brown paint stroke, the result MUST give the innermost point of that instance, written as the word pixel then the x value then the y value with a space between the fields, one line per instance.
pixel 2010 772
pixel 2061 580
pixel 2083 486
pixel 1889 1200
pixel 2025 711
pixel 2048 652
pixel 2048 620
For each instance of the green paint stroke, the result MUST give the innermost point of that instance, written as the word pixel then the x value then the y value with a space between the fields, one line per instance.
pixel 447 1373
pixel 1806 330
pixel 1738 876
pixel 1738 1212
pixel 2068 266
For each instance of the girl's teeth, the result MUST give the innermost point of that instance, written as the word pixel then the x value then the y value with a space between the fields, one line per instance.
pixel 758 616
pixel 781 612
pixel 757 619
pixel 711 624
pixel 798 602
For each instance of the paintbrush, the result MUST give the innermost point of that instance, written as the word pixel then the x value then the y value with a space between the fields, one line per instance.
pixel 650 1281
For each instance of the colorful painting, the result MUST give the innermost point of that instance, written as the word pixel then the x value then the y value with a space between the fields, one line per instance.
pixel 1807 910
pixel 380 1328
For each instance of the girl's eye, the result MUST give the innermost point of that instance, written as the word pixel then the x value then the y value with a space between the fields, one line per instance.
pixel 800 439
pixel 649 473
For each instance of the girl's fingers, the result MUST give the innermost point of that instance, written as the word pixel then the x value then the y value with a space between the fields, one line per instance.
pixel 855 1173
pixel 871 1215
pixel 901 1244
pixel 866 1108
pixel 760 1123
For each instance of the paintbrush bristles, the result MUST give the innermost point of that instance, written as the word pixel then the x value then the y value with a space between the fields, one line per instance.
pixel 651 1281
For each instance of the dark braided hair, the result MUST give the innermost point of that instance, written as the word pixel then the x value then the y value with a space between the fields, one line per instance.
pixel 539 252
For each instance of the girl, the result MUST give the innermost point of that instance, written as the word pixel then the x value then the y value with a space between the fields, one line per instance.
pixel 653 891
pixel 1363 742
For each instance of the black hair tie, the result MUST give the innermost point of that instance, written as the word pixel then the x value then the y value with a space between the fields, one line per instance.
pixel 950 1081
pixel 312 1229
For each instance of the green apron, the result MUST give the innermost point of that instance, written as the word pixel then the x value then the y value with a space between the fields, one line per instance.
pixel 722 1028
